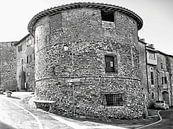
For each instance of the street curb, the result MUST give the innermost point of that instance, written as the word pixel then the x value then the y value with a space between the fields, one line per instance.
pixel 160 119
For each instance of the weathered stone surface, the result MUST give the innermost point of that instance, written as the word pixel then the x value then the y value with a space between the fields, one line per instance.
pixel 8 66
pixel 88 39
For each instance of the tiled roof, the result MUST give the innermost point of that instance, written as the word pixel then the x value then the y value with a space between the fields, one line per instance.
pixel 101 6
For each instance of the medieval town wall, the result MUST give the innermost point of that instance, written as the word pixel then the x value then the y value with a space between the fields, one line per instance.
pixel 8 66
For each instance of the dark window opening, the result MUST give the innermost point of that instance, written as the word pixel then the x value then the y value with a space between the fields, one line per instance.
pixel 27 60
pixel 114 99
pixel 162 80
pixel 110 63
pixel 152 78
pixel 107 16
pixel 165 80
pixel 20 48
pixel 161 65
pixel 152 95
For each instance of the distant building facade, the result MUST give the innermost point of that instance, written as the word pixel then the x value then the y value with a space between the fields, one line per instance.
pixel 8 66
pixel 25 64
pixel 159 67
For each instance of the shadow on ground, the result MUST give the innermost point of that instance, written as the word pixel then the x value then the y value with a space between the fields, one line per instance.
pixel 5 126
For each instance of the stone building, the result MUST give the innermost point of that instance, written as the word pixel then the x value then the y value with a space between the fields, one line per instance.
pixel 143 67
pixel 159 72
pixel 152 80
pixel 164 88
pixel 7 66
pixel 25 63
pixel 87 59
pixel 170 70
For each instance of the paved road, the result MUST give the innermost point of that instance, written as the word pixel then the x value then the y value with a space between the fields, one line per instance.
pixel 167 120
pixel 15 115
pixel 12 116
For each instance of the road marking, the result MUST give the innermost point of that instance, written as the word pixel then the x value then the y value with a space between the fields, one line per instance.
pixel 152 123
pixel 38 121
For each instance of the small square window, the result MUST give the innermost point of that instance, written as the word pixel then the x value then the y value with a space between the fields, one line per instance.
pixel 107 16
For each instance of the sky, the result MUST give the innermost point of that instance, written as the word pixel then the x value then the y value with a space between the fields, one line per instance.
pixel 156 14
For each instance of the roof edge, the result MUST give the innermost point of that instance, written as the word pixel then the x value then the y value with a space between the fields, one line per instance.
pixel 15 44
pixel 101 6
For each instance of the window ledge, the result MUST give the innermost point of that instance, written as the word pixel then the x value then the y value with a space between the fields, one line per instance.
pixel 108 24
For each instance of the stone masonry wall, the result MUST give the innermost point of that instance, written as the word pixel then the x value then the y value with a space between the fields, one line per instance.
pixel 143 71
pixel 88 40
pixel 170 69
pixel 7 66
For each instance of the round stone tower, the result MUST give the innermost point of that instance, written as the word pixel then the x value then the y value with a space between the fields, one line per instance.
pixel 86 59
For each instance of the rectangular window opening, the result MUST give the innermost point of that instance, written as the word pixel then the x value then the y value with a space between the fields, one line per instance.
pixel 152 78
pixel 165 80
pixel 162 80
pixel 20 48
pixel 27 60
pixel 107 16
pixel 114 99
pixel 110 63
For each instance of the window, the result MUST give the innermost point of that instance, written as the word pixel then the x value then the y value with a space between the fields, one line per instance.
pixel 29 59
pixel 165 80
pixel 107 16
pixel 161 65
pixel 22 61
pixel 114 99
pixel 152 56
pixel 162 80
pixel 152 95
pixel 152 78
pixel 20 48
pixel 110 63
